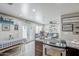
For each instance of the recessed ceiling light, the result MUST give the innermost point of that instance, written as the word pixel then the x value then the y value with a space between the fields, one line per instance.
pixel 34 10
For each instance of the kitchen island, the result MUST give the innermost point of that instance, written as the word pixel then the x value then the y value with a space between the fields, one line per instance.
pixel 71 49
pixel 51 49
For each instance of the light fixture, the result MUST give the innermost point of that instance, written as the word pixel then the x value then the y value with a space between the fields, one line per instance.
pixel 10 3
pixel 34 10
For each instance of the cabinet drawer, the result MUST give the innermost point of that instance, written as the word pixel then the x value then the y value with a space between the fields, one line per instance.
pixel 38 54
pixel 38 47
pixel 38 43
pixel 38 50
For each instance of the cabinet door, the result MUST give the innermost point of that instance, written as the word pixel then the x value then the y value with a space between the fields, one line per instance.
pixel 30 49
pixel 38 48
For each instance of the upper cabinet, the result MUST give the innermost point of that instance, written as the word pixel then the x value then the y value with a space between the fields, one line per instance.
pixel 70 18
pixel 70 23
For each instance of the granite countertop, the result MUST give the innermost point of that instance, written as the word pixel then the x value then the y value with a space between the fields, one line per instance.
pixel 73 44
pixel 8 43
pixel 46 42
pixel 55 46
pixel 38 39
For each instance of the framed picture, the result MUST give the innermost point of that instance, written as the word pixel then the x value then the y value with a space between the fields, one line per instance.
pixel 5 27
pixel 16 27
pixel 76 28
pixel 67 27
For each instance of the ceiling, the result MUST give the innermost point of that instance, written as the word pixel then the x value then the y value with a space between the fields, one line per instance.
pixel 39 12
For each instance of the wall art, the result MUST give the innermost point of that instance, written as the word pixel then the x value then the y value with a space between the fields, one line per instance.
pixel 5 27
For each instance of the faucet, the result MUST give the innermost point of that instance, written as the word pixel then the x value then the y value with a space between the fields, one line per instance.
pixel 10 37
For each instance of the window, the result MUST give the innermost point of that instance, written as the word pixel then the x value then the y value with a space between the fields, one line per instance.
pixel 38 28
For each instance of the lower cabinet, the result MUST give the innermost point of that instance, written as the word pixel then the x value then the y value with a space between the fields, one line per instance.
pixel 28 49
pixel 72 51
pixel 12 52
pixel 38 48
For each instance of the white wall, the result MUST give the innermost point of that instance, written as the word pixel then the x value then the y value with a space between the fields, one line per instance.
pixel 4 35
pixel 70 36
pixel 57 19
pixel 23 49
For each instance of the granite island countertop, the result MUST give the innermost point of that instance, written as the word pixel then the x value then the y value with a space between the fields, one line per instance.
pixel 73 44
pixel 47 42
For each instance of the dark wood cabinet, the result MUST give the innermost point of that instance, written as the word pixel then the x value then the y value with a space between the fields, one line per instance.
pixel 72 51
pixel 38 48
